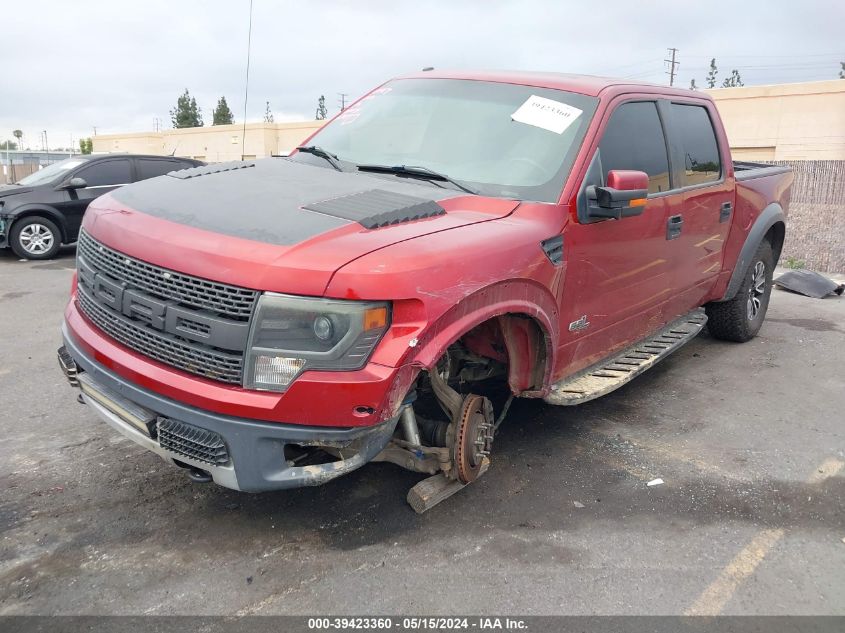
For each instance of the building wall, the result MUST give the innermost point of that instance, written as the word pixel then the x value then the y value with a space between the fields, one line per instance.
pixel 214 144
pixel 800 121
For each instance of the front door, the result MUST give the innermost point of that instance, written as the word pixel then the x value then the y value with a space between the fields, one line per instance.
pixel 619 274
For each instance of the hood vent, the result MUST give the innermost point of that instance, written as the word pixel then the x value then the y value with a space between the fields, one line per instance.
pixel 196 172
pixel 378 208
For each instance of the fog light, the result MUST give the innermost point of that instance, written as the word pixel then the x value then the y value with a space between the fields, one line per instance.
pixel 276 371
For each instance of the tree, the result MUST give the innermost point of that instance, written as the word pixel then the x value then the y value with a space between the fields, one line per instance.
pixel 321 108
pixel 222 115
pixel 734 81
pixel 8 145
pixel 692 85
pixel 268 115
pixel 18 134
pixel 711 76
pixel 186 113
pixel 842 70
pixel 86 145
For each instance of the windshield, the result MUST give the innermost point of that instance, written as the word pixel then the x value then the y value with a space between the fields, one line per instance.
pixel 499 139
pixel 51 172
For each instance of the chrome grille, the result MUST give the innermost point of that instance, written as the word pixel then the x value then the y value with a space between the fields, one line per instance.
pixel 194 358
pixel 229 301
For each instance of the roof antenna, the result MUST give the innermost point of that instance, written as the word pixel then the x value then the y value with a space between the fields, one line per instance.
pixel 175 147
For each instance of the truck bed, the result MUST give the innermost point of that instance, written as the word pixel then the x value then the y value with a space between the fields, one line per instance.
pixel 745 170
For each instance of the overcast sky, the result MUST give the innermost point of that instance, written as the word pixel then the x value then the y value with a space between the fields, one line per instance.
pixel 117 65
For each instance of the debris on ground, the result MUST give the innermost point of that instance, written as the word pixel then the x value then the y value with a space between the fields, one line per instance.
pixel 578 504
pixel 809 284
pixel 655 482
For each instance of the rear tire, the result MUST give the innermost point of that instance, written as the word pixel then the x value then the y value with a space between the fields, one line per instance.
pixel 35 237
pixel 741 318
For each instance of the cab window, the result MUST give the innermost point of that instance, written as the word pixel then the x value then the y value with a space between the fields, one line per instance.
pixel 694 130
pixel 633 139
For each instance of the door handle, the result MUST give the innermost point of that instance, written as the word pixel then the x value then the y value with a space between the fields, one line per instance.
pixel 725 211
pixel 673 227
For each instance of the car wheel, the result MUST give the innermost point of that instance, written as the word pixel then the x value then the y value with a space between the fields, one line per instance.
pixel 742 317
pixel 35 238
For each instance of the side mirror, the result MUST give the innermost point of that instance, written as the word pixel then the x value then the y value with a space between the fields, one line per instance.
pixel 74 183
pixel 625 195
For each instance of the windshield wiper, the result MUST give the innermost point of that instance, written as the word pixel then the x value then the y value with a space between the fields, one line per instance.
pixel 416 171
pixel 316 150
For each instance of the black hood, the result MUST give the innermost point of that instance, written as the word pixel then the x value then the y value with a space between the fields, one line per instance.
pixel 10 190
pixel 281 201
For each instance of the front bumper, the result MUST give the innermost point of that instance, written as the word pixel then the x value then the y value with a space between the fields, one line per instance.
pixel 254 451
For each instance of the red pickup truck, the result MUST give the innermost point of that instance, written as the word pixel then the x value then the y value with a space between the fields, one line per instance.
pixel 277 323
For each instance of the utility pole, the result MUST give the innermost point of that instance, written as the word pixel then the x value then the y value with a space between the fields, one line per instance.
pixel 342 100
pixel 672 64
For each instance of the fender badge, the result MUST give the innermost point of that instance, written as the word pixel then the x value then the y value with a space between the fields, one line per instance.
pixel 580 324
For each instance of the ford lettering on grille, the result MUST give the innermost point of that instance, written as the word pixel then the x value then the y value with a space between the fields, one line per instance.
pixel 193 324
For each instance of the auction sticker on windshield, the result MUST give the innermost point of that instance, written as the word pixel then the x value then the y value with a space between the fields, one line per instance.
pixel 546 113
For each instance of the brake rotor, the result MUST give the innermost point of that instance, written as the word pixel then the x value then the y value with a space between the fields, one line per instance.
pixel 473 437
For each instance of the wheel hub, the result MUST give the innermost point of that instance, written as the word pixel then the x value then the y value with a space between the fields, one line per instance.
pixel 36 239
pixel 756 291
pixel 473 437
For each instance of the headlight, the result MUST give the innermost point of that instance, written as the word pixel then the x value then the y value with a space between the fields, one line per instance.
pixel 292 334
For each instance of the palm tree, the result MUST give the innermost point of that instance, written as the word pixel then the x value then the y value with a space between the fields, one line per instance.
pixel 18 134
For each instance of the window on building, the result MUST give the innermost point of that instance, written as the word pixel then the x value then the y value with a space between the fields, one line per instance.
pixel 633 139
pixel 694 130
pixel 107 173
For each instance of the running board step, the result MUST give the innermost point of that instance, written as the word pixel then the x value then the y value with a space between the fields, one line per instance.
pixel 623 367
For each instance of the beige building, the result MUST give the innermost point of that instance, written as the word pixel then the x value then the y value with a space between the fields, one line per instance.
pixel 800 121
pixel 214 144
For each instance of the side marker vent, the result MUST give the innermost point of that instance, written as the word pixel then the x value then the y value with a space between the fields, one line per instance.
pixel 553 248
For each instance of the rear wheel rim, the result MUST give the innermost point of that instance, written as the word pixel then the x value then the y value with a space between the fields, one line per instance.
pixel 756 291
pixel 36 238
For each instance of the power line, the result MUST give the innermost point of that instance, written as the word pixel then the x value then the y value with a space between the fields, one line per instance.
pixel 839 54
pixel 632 65
pixel 818 65
pixel 341 99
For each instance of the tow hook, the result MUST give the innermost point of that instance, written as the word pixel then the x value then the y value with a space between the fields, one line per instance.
pixel 199 476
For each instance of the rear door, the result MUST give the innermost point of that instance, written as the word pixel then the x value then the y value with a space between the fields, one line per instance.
pixel 101 176
pixel 708 199
pixel 153 167
pixel 619 275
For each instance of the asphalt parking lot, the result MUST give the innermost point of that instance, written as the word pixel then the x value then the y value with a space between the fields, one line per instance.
pixel 749 440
